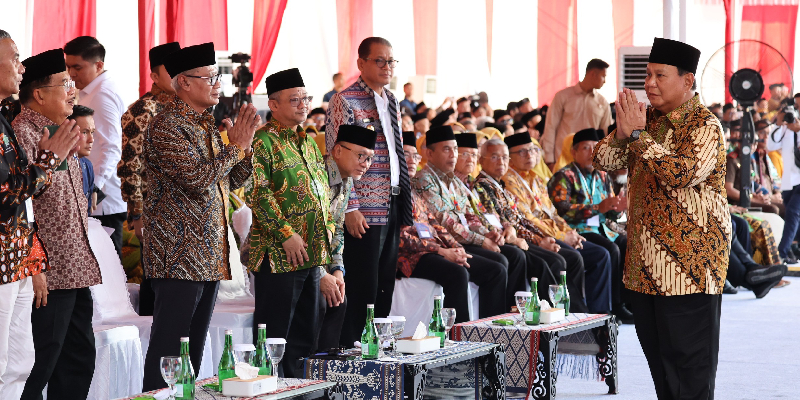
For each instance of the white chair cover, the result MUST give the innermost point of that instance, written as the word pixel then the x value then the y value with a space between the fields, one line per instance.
pixel 413 299
pixel 238 318
pixel 236 290
pixel 775 222
pixel 118 366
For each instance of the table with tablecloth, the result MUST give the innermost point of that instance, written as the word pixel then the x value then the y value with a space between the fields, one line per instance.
pixel 530 350
pixel 288 388
pixel 461 370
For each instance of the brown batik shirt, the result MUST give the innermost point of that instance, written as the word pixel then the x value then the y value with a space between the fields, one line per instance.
pixel 60 213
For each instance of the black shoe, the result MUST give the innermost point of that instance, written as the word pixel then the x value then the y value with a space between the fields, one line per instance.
pixel 790 259
pixel 796 250
pixel 624 316
pixel 756 277
pixel 729 289
pixel 761 290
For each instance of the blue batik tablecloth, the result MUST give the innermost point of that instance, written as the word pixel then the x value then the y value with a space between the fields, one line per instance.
pixel 384 380
pixel 521 343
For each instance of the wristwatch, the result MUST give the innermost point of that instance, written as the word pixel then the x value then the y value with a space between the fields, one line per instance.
pixel 635 133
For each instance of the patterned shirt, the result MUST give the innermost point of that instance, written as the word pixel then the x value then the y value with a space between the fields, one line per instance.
pixel 60 213
pixel 131 167
pixel 190 173
pixel 679 227
pixel 499 201
pixel 19 182
pixel 448 200
pixel 412 247
pixel 534 202
pixel 340 192
pixel 290 195
pixel 577 195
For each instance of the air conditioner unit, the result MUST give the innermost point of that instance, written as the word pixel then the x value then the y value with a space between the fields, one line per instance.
pixel 633 70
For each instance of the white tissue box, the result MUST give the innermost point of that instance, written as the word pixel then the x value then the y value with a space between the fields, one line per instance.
pixel 551 315
pixel 249 387
pixel 416 346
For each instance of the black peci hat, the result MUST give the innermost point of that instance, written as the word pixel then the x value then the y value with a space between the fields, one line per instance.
pixel 43 65
pixel 442 117
pixel 286 79
pixel 418 117
pixel 409 138
pixel 589 134
pixel 673 52
pixel 517 140
pixel 469 140
pixel 357 135
pixel 160 52
pixel 191 57
pixel 439 134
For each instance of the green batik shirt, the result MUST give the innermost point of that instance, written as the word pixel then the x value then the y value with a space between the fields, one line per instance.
pixel 289 195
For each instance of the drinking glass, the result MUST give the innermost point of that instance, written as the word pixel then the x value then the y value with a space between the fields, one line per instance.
pixel 448 319
pixel 276 347
pixel 244 353
pixel 555 295
pixel 398 326
pixel 384 328
pixel 170 370
pixel 522 299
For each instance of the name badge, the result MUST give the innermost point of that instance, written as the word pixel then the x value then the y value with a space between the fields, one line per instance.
pixel 463 219
pixel 493 220
pixel 594 221
pixel 423 230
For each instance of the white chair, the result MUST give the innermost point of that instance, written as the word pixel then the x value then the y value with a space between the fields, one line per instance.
pixel 112 305
pixel 119 362
pixel 413 299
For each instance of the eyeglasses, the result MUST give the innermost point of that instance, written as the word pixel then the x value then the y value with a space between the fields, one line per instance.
pixel 212 80
pixel 469 155
pixel 525 152
pixel 68 85
pixel 362 158
pixel 416 156
pixel 496 158
pixel 382 63
pixel 296 101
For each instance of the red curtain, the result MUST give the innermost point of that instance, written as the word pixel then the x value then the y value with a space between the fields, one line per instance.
pixel 622 13
pixel 354 19
pixel 267 19
pixel 489 16
pixel 775 26
pixel 557 47
pixel 147 36
pixel 426 32
pixel 729 8
pixel 62 21
pixel 192 22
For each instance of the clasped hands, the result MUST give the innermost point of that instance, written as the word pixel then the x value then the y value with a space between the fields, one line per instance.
pixel 631 114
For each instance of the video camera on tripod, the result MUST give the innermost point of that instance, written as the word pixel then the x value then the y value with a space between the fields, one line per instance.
pixel 242 78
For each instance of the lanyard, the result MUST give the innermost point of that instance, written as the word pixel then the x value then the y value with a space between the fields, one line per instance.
pixel 540 204
pixel 591 188
pixel 448 190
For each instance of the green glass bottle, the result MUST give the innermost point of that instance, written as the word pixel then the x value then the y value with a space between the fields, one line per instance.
pixel 562 290
pixel 262 360
pixel 533 310
pixel 227 363
pixel 436 326
pixel 184 385
pixel 369 336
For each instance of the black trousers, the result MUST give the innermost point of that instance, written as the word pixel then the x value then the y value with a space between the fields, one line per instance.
pixel 288 303
pixel 371 264
pixel 617 250
pixel 680 339
pixel 330 323
pixel 597 282
pixel 114 221
pixel 64 343
pixel 490 276
pixel 147 297
pixel 742 231
pixel 516 262
pixel 567 259
pixel 182 309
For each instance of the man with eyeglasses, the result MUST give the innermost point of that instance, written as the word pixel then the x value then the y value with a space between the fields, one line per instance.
pixel 24 175
pixel 62 313
pixel 351 157
pixel 380 202
pixel 190 173
pixel 293 228
pixel 85 58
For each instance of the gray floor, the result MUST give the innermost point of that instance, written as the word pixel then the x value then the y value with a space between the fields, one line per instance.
pixel 759 354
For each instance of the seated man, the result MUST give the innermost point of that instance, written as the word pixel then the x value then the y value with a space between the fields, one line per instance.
pixel 534 203
pixel 448 200
pixel 744 271
pixel 584 197
pixel 428 251
pixel 762 196
pixel 498 201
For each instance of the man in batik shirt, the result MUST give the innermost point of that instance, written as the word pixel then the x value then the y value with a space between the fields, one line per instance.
pixel 292 225
pixel 62 326
pixel 678 220
pixel 350 157
pixel 584 197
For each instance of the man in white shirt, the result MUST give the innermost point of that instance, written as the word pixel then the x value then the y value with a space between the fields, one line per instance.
pixel 784 138
pixel 85 63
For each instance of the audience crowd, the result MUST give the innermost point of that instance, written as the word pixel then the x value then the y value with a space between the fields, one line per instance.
pixel 358 193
